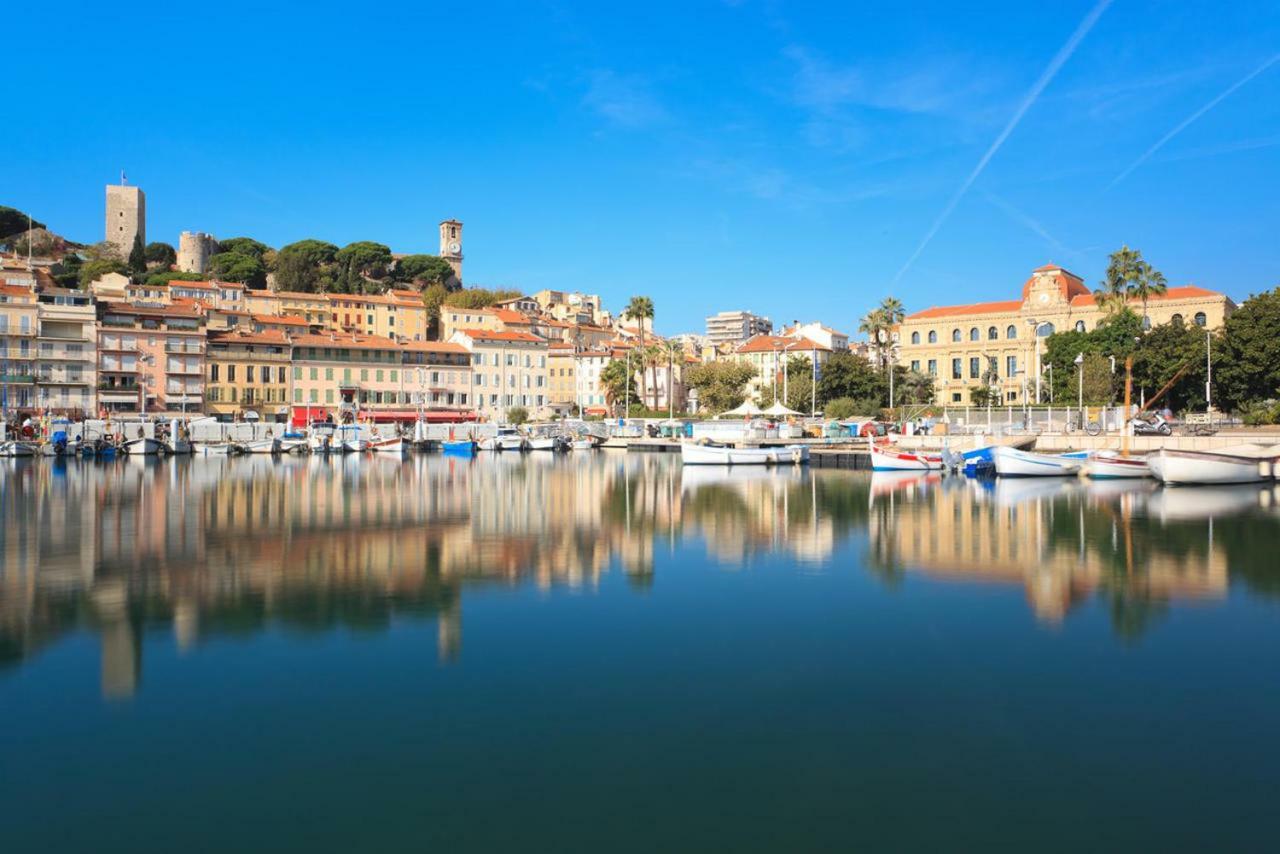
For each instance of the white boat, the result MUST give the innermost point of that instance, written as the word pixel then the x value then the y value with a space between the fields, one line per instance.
pixel 356 445
pixel 216 449
pixel 894 459
pixel 1010 462
pixel 1206 467
pixel 270 445
pixel 581 445
pixel 391 446
pixel 17 449
pixel 145 446
pixel 1108 464
pixel 177 446
pixel 546 443
pixel 508 439
pixel 319 443
pixel 692 454
pixel 293 446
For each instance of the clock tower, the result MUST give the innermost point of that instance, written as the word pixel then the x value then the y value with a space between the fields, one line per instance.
pixel 451 245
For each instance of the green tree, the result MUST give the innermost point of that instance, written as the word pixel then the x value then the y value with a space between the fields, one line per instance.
pixel 478 297
pixel 359 263
pixel 422 270
pixel 137 257
pixel 910 387
pixel 1123 269
pixel 246 246
pixel 875 325
pixel 91 271
pixel 160 255
pixel 67 271
pixel 517 415
pixel 237 267
pixel 721 385
pixel 433 297
pixel 14 222
pixel 1164 351
pixel 305 266
pixel 847 374
pixel 892 311
pixel 1246 363
pixel 166 278
pixel 799 387
pixel 1149 283
pixel 984 395
pixel 618 382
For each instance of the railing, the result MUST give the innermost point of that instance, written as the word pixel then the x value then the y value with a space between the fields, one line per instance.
pixel 17 379
pixel 131 389
pixel 172 346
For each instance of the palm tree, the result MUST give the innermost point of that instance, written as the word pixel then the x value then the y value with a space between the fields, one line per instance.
pixel 1150 283
pixel 1124 269
pixel 640 309
pixel 892 310
pixel 616 379
pixel 874 325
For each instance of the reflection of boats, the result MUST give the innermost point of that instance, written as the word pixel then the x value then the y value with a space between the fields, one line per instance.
pixel 143 445
pixel 725 455
pixel 1180 504
pixel 459 447
pixel 1201 467
pixel 1017 490
pixel 888 482
pixel 17 449
pixel 1109 464
pixel 698 477
pixel 1114 487
pixel 1011 462
pixel 895 459
pixel 508 439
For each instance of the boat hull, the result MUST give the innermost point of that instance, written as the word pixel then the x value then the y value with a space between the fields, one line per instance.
pixel 716 455
pixel 17 449
pixel 503 443
pixel 143 446
pixel 884 459
pixel 1202 467
pixel 459 449
pixel 392 447
pixel 1100 467
pixel 178 446
pixel 1010 462
pixel 262 446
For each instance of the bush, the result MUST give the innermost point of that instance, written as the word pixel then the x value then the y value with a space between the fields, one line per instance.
pixel 848 407
pixel 517 415
pixel 1261 413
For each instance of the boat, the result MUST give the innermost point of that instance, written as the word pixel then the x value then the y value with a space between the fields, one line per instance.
pixel 693 454
pixel 508 439
pixel 391 446
pixel 459 447
pixel 582 444
pixel 269 445
pixel 177 446
pixel 894 459
pixel 143 445
pixel 17 449
pixel 1011 462
pixel 321 444
pixel 548 443
pixel 217 449
pixel 352 441
pixel 1242 465
pixel 293 444
pixel 1108 464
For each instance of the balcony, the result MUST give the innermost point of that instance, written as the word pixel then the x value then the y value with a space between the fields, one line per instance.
pixel 17 379
pixel 194 348
pixel 184 372
pixel 63 379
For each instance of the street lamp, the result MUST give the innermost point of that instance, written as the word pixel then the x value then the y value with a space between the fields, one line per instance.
pixel 1079 360
pixel 1035 347
pixel 1208 372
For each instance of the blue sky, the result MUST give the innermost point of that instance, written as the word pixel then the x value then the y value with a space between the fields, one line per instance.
pixel 787 158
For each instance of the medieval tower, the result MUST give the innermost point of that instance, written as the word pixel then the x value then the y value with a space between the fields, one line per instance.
pixel 194 250
pixel 126 216
pixel 451 246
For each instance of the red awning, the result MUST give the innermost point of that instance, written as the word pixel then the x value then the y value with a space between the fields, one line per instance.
pixel 304 415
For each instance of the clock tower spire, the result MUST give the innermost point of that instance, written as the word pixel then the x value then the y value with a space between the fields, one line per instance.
pixel 451 245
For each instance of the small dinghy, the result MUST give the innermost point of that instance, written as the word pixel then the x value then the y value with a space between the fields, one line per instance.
pixel 1105 465
pixel 1010 462
pixel 895 459
pixel 1238 465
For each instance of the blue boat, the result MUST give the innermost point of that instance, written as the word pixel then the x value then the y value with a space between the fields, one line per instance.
pixel 979 462
pixel 460 448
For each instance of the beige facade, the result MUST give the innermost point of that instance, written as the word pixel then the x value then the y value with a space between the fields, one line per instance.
pixel 353 377
pixel 957 345
pixel 66 374
pixel 768 354
pixel 507 369
pixel 562 385
pixel 18 325
pixel 248 372
pixel 452 319
pixel 150 358
pixel 437 375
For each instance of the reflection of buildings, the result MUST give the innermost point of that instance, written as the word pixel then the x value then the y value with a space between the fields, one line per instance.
pixel 1055 538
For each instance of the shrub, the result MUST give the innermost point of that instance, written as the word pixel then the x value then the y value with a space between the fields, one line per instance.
pixel 848 407
pixel 517 415
pixel 1261 413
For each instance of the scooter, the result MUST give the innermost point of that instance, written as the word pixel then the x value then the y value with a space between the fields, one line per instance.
pixel 1152 425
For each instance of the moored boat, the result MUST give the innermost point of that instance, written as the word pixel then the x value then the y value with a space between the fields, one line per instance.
pixel 1212 467
pixel 17 449
pixel 459 447
pixel 1011 462
pixel 143 445
pixel 397 446
pixel 507 439
pixel 1108 464
pixel 269 445
pixel 895 459
pixel 293 444
pixel 548 443
pixel 217 449
pixel 724 455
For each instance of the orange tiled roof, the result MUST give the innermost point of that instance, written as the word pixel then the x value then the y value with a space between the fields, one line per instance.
pixel 964 310
pixel 507 315
pixel 111 307
pixel 1068 283
pixel 280 319
pixel 303 295
pixel 17 290
pixel 269 336
pixel 505 335
pixel 1180 292
pixel 345 340
pixel 770 343
pixel 433 347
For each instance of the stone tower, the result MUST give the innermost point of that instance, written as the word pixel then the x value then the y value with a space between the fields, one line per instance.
pixel 451 245
pixel 194 250
pixel 126 216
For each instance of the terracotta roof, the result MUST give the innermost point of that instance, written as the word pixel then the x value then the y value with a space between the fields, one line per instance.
pixel 270 336
pixel 964 310
pixel 281 319
pixel 781 343
pixel 17 290
pixel 345 340
pixel 1180 292
pixel 111 307
pixel 1068 283
pixel 507 315
pixel 204 286
pixel 299 295
pixel 560 345
pixel 505 335
pixel 433 347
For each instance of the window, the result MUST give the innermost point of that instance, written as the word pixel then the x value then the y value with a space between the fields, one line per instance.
pixel 1176 320
pixel 915 337
pixel 1079 326
pixel 955 397
pixel 248 373
pixel 1011 331
pixel 933 336
pixel 992 333
pixel 315 396
pixel 1201 320
pixel 213 373
pixel 956 372
pixel 280 374
pixel 1044 330
pixel 955 335
pixel 328 395
pixel 297 395
pixel 973 334
pixel 974 368
pixel 1011 366
pixel 915 365
pixel 297 374
pixel 377 375
pixel 231 373
pixel 933 367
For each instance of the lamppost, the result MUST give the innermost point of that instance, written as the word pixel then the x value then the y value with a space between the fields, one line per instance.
pixel 1035 347
pixel 1079 360
pixel 1050 366
pixel 1208 372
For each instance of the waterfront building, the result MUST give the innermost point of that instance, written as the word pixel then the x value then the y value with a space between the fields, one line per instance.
pixel 248 372
pixel 150 358
pixel 18 325
pixel 561 375
pixel 453 318
pixel 768 354
pixel 110 286
pixel 126 217
pixel 508 369
pixel 734 327
pixel 67 351
pixel 291 324
pixel 834 341
pixel 349 377
pixel 590 395
pixel 437 375
pixel 313 308
pixel 958 344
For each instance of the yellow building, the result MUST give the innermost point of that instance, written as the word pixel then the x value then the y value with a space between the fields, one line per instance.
pixel 452 319
pixel 562 388
pixel 957 344
pixel 248 371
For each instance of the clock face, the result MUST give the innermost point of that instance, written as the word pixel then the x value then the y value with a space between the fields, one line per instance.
pixel 454 247
pixel 1044 297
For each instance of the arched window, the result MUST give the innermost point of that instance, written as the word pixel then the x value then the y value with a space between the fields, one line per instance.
pixel 955 335
pixel 973 334
pixel 1044 330
pixel 1079 326
pixel 992 333
pixel 1011 331
pixel 915 337
pixel 1201 320
pixel 933 336
pixel 1176 320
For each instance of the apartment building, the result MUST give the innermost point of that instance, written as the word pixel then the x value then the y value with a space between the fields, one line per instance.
pixel 769 354
pixel 437 375
pixel 248 372
pixel 352 377
pixel 150 358
pixel 734 327
pixel 508 369
pixel 18 325
pixel 562 388
pixel 66 374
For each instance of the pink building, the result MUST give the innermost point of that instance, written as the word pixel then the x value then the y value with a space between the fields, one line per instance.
pixel 150 358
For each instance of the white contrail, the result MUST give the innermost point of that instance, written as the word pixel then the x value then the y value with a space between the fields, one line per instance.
pixel 1181 126
pixel 1045 78
pixel 1024 218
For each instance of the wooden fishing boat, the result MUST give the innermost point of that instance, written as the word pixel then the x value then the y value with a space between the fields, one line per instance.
pixel 1212 467
pixel 143 446
pixel 694 454
pixel 269 445
pixel 396 446
pixel 1103 465
pixel 894 459
pixel 1011 462
pixel 17 449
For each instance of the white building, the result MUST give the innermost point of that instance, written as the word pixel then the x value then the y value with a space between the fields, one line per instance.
pixel 734 327
pixel 835 341
pixel 507 369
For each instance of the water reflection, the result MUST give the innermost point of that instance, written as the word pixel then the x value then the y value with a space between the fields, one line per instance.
pixel 209 547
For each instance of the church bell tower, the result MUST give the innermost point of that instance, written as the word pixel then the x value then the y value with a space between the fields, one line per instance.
pixel 451 245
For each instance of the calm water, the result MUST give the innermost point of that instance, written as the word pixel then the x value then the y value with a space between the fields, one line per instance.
pixel 611 653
